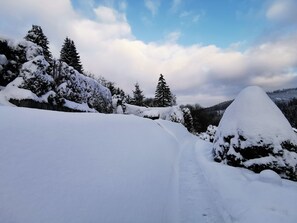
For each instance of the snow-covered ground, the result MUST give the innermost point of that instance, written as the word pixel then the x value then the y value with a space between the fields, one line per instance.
pixel 89 167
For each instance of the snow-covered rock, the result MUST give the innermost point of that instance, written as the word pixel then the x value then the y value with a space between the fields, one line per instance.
pixel 253 133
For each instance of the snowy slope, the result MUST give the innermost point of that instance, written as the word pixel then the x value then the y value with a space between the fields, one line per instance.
pixel 87 167
pixel 63 167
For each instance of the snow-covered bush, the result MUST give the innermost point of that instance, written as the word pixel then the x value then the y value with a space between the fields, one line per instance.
pixel 209 135
pixel 35 76
pixel 174 113
pixel 23 68
pixel 188 119
pixel 12 56
pixel 253 133
pixel 76 87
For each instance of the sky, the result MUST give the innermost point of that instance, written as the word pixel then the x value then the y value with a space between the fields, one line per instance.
pixel 207 50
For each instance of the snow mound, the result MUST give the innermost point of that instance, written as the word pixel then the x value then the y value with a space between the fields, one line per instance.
pixel 253 133
pixel 270 176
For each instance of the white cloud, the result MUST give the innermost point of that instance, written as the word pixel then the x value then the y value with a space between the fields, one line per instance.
pixel 282 11
pixel 109 15
pixel 152 6
pixel 196 74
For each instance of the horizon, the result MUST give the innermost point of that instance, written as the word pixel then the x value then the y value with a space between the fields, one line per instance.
pixel 207 50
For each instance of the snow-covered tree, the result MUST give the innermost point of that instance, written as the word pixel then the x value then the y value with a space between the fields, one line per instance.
pixel 70 55
pixel 138 96
pixel 253 133
pixel 163 95
pixel 11 60
pixel 37 36
pixel 35 77
pixel 188 119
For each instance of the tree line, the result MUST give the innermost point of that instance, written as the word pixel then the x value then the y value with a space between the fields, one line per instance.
pixel 69 54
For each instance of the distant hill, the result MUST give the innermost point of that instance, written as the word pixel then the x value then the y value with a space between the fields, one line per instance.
pixel 284 95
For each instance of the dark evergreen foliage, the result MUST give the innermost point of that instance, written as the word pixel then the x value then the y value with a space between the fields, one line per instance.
pixel 70 55
pixel 163 95
pixel 37 36
pixel 149 102
pixel 138 96
pixel 203 117
pixel 289 109
pixel 14 57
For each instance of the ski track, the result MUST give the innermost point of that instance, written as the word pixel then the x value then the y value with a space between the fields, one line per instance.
pixel 197 200
pixel 196 203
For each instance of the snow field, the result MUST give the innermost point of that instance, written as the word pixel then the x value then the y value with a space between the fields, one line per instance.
pixel 87 167
pixel 67 167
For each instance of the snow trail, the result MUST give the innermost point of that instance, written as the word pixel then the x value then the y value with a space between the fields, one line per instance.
pixel 196 202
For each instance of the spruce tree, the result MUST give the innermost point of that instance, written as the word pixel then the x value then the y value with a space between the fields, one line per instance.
pixel 37 36
pixel 138 96
pixel 163 96
pixel 70 55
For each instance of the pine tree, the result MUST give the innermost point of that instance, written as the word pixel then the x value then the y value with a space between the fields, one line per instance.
pixel 70 55
pixel 37 36
pixel 138 96
pixel 163 96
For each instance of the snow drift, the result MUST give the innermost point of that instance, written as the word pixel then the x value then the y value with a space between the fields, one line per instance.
pixel 253 133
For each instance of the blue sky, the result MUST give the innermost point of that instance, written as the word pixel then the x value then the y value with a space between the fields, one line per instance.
pixel 207 50
pixel 221 23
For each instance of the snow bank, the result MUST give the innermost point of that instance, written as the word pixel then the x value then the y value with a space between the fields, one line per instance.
pixel 255 134
pixel 173 114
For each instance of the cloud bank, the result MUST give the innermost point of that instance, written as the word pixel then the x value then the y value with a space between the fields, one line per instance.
pixel 196 74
